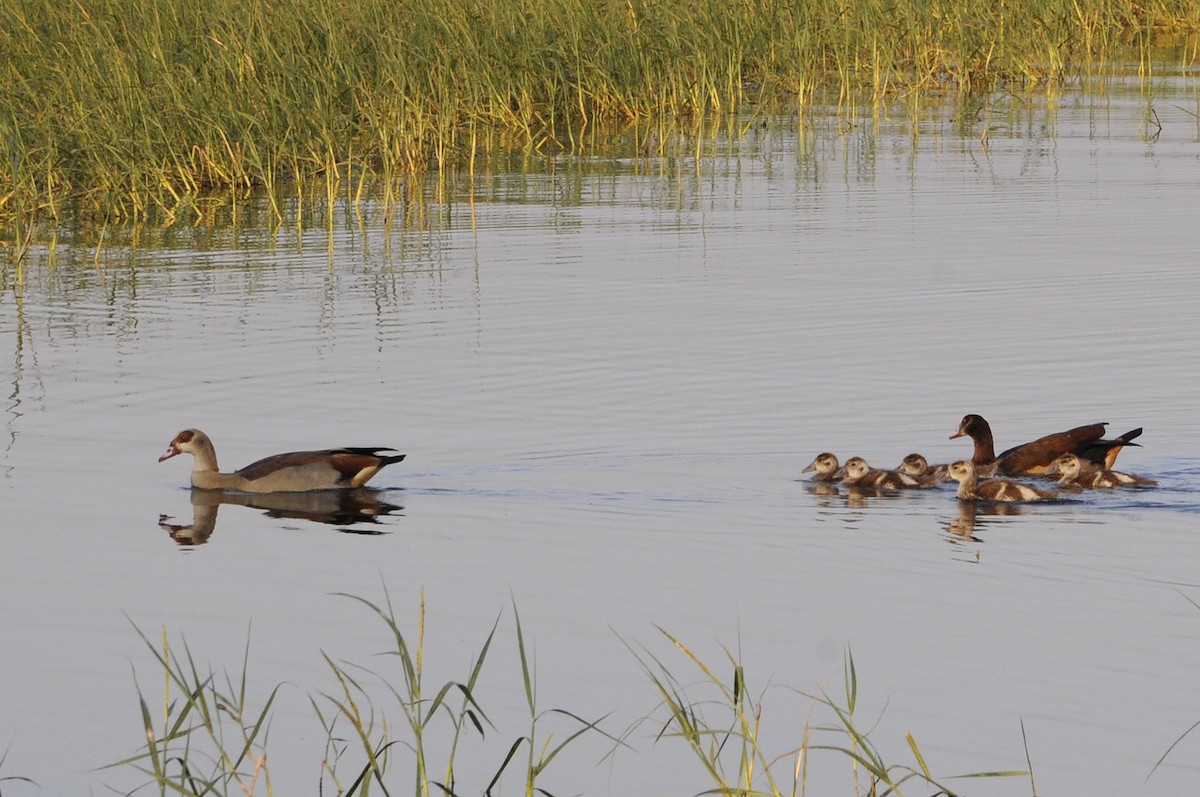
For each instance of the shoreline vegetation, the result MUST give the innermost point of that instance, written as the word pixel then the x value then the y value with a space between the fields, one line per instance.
pixel 207 734
pixel 133 110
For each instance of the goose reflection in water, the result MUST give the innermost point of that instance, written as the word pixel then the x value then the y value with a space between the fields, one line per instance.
pixel 344 508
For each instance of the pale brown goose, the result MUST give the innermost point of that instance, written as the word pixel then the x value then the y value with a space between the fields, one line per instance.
pixel 859 474
pixel 826 467
pixel 1075 472
pixel 299 471
pixel 970 489
pixel 1033 458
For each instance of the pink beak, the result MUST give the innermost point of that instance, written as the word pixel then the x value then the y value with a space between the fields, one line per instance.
pixel 170 452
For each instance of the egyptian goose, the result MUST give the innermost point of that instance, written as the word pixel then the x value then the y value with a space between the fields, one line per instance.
pixel 969 489
pixel 859 474
pixel 1033 458
pixel 1075 473
pixel 336 468
pixel 826 467
pixel 918 467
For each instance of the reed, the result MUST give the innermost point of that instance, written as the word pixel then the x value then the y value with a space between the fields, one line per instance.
pixel 1167 753
pixel 208 737
pixel 740 760
pixel 12 778
pixel 189 749
pixel 206 740
pixel 419 711
pixel 136 108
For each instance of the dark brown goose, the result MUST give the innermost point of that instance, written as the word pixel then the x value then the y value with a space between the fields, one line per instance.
pixel 1033 458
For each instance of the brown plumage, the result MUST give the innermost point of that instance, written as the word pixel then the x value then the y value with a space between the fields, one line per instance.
pixel 1033 458
pixel 1076 473
pixel 826 467
pixel 859 474
pixel 970 489
pixel 918 467
pixel 299 471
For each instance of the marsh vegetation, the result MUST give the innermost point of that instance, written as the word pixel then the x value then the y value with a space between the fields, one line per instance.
pixel 209 733
pixel 137 109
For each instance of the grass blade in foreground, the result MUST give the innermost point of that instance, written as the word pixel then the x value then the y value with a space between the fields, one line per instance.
pixel 734 753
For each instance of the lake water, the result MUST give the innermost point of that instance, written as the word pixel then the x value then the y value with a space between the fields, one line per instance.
pixel 608 374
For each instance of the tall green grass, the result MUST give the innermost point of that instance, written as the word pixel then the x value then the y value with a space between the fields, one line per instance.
pixel 209 736
pixel 134 108
pixel 204 738
pixel 720 721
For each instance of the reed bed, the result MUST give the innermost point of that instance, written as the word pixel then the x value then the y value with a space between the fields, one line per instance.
pixel 721 722
pixel 130 108
pixel 209 735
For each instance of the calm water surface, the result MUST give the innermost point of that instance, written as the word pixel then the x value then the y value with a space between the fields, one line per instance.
pixel 608 375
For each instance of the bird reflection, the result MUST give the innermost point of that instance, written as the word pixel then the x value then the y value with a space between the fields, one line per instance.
pixel 963 527
pixel 850 495
pixel 343 508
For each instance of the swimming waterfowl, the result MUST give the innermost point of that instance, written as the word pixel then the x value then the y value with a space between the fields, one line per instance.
pixel 859 474
pixel 299 471
pixel 918 467
pixel 1033 458
pixel 1074 473
pixel 1104 452
pixel 970 489
pixel 826 467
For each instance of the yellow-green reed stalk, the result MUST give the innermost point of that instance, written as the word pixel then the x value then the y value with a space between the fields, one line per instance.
pixel 189 752
pixel 419 710
pixel 885 778
pixel 540 751
pixel 731 751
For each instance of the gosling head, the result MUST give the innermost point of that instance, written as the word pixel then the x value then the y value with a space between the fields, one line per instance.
pixel 962 471
pixel 914 465
pixel 1067 466
pixel 855 468
pixel 825 465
